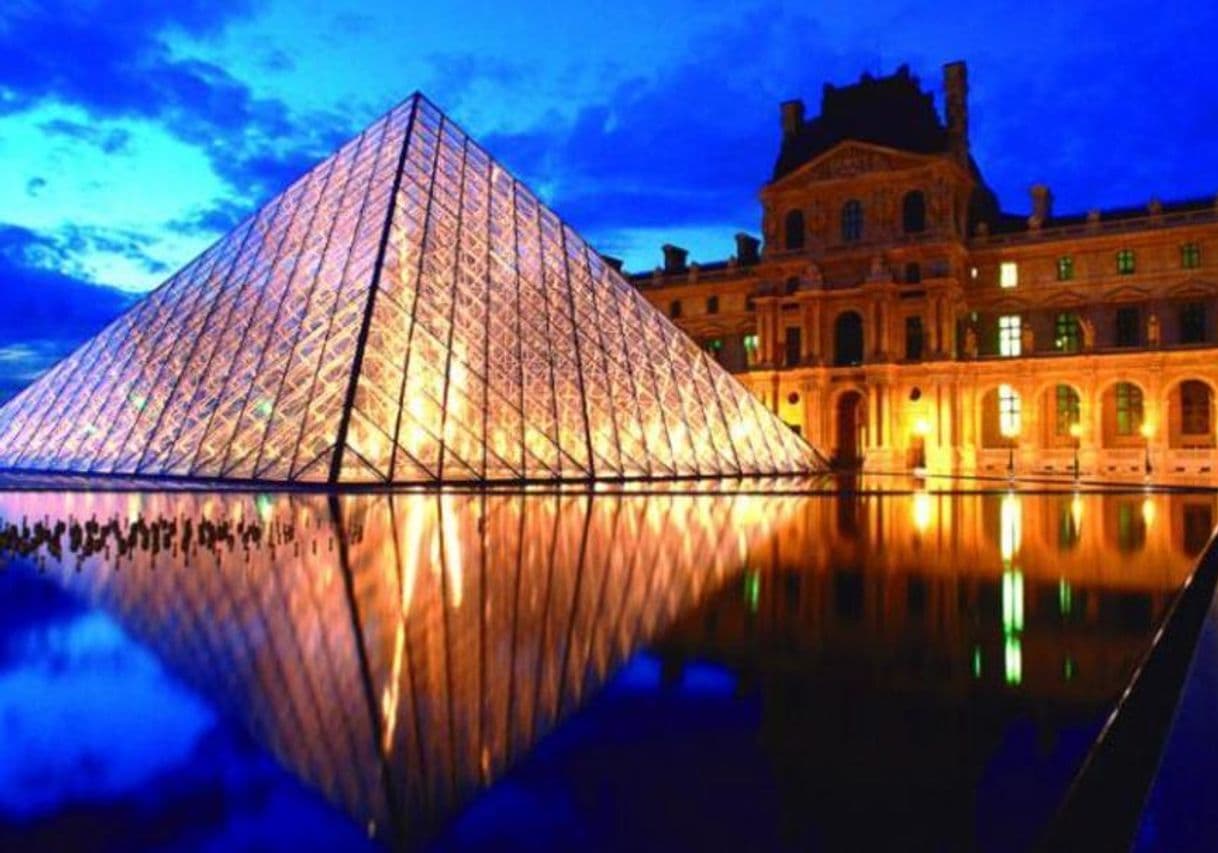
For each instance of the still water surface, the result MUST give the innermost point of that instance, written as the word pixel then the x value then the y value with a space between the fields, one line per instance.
pixel 755 670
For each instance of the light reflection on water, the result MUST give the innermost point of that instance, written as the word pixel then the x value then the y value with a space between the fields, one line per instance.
pixel 403 654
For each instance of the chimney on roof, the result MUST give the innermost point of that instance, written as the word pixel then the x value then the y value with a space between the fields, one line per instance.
pixel 792 117
pixel 747 247
pixel 955 87
pixel 1042 205
pixel 674 258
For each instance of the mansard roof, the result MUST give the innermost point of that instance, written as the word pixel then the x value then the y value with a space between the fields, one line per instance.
pixel 892 111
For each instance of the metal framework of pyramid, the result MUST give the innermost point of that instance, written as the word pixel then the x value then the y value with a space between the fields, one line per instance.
pixel 406 312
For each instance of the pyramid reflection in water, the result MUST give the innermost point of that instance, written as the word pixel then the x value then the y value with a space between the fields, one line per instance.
pixel 406 312
pixel 399 653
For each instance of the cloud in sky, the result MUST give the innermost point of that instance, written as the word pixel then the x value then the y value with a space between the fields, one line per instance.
pixel 139 131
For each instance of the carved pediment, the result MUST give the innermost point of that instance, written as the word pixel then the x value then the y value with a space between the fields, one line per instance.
pixel 1194 287
pixel 1064 298
pixel 1127 293
pixel 851 159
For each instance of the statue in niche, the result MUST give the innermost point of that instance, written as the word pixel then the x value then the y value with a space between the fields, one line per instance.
pixel 878 270
pixel 1152 330
pixel 970 342
pixel 816 217
pixel 1087 330
pixel 813 276
pixel 1027 340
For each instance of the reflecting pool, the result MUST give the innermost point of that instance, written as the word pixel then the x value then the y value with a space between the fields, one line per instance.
pixel 780 668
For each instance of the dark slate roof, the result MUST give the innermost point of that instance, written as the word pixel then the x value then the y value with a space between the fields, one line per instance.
pixel 891 111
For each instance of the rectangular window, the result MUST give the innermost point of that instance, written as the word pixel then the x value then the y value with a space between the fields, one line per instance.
pixel 913 338
pixel 1008 274
pixel 1066 337
pixel 1008 411
pixel 1125 262
pixel 1192 323
pixel 1190 256
pixel 1009 342
pixel 1065 268
pixel 1128 327
pixel 1067 410
pixel 794 345
pixel 674 308
pixel 1128 408
pixel 712 305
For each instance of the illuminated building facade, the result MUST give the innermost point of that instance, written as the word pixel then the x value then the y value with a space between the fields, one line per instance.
pixel 406 312
pixel 898 318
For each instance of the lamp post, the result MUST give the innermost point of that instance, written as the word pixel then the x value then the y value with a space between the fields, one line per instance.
pixel 1147 429
pixel 1076 432
pixel 1010 432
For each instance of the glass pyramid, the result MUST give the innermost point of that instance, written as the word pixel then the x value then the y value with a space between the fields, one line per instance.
pixel 406 312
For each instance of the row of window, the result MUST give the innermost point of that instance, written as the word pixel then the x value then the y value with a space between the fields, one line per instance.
pixel 1067 338
pixel 1126 264
pixel 1195 409
pixel 913 220
pixel 1067 329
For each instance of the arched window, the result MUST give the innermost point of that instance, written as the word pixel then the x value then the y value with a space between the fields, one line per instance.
pixel 1067 410
pixel 1001 417
pixel 852 221
pixel 795 230
pixel 848 339
pixel 913 212
pixel 1009 419
pixel 1128 408
pixel 1194 408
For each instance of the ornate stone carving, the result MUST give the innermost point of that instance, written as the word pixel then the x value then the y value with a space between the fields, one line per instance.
pixel 1087 328
pixel 849 163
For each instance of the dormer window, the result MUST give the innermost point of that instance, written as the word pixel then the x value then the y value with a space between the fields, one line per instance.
pixel 794 230
pixel 852 221
pixel 913 212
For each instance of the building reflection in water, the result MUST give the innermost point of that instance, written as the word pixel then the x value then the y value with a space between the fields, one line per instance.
pixel 932 675
pixel 401 653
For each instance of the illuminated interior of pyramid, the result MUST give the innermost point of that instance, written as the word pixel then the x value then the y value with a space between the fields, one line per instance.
pixel 405 312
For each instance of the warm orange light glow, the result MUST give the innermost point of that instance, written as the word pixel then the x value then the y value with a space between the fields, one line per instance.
pixel 921 427
pixel 1076 429
pixel 1148 512
pixel 922 510
pixel 1147 429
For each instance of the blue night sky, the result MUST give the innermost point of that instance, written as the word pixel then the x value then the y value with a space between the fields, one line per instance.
pixel 133 133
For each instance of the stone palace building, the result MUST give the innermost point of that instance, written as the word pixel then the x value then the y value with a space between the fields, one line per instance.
pixel 899 319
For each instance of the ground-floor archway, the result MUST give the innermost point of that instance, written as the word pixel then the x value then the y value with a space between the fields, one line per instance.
pixel 851 417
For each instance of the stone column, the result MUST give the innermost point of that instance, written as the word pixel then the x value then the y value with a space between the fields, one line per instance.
pixel 814 332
